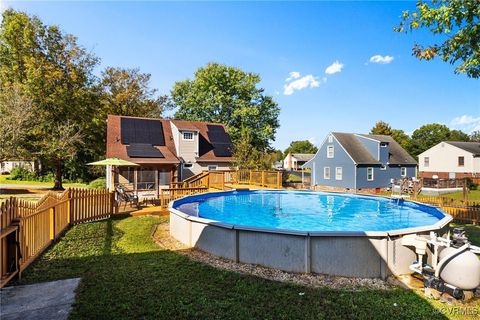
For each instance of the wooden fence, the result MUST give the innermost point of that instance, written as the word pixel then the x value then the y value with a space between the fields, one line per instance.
pixel 167 195
pixel 28 228
pixel 461 211
pixel 222 178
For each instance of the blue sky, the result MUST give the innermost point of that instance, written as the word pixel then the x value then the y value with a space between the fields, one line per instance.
pixel 323 49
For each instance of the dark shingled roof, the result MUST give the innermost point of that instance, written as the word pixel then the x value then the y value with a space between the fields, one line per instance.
pixel 472 147
pixel 359 153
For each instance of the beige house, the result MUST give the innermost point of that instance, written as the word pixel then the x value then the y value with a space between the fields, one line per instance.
pixel 294 161
pixel 450 160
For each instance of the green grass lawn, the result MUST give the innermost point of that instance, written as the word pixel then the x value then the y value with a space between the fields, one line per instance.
pixel 4 180
pixel 294 178
pixel 125 275
pixel 473 195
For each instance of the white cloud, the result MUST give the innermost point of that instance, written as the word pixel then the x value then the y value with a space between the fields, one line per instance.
pixel 381 59
pixel 334 68
pixel 295 82
pixel 293 75
pixel 467 123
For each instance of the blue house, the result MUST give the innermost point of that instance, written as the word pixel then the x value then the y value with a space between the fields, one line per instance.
pixel 359 161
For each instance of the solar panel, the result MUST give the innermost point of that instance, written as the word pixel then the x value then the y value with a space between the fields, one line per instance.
pixel 142 131
pixel 143 151
pixel 203 145
pixel 222 149
pixel 217 134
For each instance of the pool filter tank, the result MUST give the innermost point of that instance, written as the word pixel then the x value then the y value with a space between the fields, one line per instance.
pixel 455 266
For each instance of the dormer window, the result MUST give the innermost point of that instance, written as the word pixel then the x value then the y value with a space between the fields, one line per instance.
pixel 187 135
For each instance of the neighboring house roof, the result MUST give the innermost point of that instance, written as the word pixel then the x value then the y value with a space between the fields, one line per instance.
pixel 472 147
pixel 359 153
pixel 303 156
pixel 214 143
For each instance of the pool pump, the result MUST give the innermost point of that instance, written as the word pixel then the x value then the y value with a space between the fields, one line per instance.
pixel 454 268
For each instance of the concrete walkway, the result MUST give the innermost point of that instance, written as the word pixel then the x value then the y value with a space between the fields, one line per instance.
pixel 42 301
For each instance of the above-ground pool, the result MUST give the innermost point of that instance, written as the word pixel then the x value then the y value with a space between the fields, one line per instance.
pixel 300 231
pixel 309 211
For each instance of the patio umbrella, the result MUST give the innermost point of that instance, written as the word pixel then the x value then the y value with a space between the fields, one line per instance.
pixel 112 162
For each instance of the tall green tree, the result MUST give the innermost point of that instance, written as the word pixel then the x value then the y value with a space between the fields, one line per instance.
pixel 300 146
pixel 458 135
pixel 456 23
pixel 220 93
pixel 56 74
pixel 427 136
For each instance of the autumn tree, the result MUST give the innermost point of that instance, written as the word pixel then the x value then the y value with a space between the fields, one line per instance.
pixel 225 94
pixel 383 128
pixel 456 23
pixel 127 92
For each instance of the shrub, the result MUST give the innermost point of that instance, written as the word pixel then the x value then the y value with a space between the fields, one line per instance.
pixel 22 174
pixel 100 183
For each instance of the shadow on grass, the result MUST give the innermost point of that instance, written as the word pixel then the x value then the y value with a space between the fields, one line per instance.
pixel 125 275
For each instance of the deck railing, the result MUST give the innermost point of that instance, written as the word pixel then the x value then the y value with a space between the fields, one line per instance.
pixel 28 228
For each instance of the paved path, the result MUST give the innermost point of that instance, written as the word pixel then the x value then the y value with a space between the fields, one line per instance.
pixel 49 300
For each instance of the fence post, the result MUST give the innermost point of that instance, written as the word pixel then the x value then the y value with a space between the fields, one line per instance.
pixel 68 206
pixel 52 223
pixel 263 178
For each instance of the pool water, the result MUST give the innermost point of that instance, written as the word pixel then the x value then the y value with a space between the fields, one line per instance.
pixel 309 211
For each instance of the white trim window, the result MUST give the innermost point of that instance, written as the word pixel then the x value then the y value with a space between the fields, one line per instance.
pixel 403 171
pixel 370 176
pixel 338 173
pixel 426 161
pixel 187 135
pixel 326 173
pixel 212 167
pixel 330 139
pixel 330 151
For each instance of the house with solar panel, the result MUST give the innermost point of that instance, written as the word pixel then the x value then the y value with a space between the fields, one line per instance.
pixel 165 150
pixel 350 161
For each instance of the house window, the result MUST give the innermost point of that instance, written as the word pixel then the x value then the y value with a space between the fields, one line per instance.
pixel 330 152
pixel 212 167
pixel 326 172
pixel 403 171
pixel 146 178
pixel 426 161
pixel 187 135
pixel 369 174
pixel 330 139
pixel 461 161
pixel 383 167
pixel 126 175
pixel 338 173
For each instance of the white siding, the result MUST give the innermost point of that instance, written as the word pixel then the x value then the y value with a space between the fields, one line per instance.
pixel 443 157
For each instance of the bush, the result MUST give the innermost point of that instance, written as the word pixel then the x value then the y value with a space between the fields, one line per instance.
pixel 100 183
pixel 22 174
